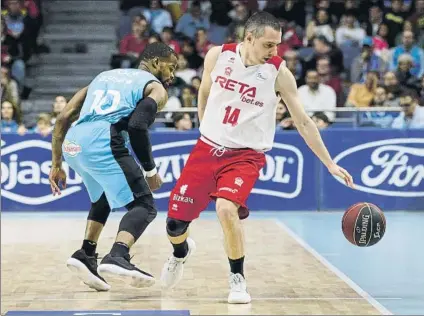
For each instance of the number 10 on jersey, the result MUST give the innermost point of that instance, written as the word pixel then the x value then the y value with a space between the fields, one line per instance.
pixel 231 116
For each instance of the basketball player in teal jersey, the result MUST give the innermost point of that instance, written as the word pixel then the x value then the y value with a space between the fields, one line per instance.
pixel 116 109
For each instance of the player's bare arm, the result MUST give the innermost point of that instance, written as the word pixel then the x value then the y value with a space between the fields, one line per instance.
pixel 206 83
pixel 69 114
pixel 287 89
pixel 155 98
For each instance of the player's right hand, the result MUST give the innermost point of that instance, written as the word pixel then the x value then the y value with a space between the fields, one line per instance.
pixel 155 182
pixel 57 176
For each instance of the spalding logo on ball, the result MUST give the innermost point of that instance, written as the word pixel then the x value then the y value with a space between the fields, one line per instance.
pixel 363 224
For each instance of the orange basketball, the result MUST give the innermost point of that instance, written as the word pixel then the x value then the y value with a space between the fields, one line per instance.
pixel 364 224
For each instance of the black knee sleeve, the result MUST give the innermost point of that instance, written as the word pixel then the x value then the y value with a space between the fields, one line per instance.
pixel 141 212
pixel 100 210
pixel 175 227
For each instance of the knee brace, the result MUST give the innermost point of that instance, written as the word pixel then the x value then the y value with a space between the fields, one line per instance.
pixel 99 211
pixel 175 227
pixel 141 212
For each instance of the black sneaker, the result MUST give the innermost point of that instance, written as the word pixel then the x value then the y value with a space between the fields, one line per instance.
pixel 121 269
pixel 85 268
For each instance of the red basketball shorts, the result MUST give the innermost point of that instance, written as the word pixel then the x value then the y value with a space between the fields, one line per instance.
pixel 211 173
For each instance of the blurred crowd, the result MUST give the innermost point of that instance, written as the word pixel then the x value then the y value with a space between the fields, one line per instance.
pixel 348 53
pixel 21 22
pixel 342 53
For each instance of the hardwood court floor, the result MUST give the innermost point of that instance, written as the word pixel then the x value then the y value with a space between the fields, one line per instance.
pixel 283 278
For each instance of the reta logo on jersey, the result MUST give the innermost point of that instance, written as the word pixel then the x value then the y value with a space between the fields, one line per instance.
pixel 247 93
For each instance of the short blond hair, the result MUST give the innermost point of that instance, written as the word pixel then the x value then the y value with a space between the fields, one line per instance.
pixel 44 117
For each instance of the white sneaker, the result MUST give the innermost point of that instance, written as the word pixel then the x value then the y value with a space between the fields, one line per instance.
pixel 238 290
pixel 173 269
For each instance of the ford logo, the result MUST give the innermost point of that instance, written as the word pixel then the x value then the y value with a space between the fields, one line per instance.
pixel 281 176
pixel 392 167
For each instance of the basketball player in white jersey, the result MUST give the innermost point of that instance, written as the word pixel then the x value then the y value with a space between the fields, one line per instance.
pixel 241 87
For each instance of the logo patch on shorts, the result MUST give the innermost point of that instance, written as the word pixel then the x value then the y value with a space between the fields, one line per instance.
pixel 71 148
pixel 183 189
pixel 228 189
pixel 238 181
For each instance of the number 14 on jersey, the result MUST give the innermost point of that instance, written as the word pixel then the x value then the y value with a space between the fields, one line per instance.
pixel 231 116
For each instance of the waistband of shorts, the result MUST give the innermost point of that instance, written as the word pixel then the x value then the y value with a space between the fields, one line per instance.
pixel 213 144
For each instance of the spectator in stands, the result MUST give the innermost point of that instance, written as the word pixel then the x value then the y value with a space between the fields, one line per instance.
pixel 366 62
pixel 380 97
pixel 320 26
pixel 36 19
pixel 44 126
pixel 404 73
pixel 379 41
pixel 11 54
pixel 283 118
pixel 377 118
pixel 409 26
pixel 291 11
pixel 295 67
pixel 58 105
pixel 195 83
pixel 236 28
pixel 167 37
pixel 281 110
pixel 349 32
pixel 191 55
pixel 191 21
pixel 417 17
pixel 182 121
pixel 187 99
pixel 219 20
pixel 326 77
pixel 412 115
pixel 316 96
pixel 19 25
pixel 362 94
pixel 10 119
pixel 202 43
pixel 154 38
pixel 394 18
pixel 374 21
pixel 290 39
pixel 321 120
pixel 334 9
pixel 158 17
pixel 324 48
pixel 183 71
pixel 408 47
pixel 393 89
pixel 9 87
pixel 133 44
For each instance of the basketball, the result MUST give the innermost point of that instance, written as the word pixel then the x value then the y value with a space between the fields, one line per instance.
pixel 364 224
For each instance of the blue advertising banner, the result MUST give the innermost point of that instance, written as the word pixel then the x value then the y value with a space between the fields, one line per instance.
pixel 387 166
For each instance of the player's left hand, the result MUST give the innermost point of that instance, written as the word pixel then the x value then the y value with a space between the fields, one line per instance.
pixel 155 182
pixel 338 171
pixel 57 176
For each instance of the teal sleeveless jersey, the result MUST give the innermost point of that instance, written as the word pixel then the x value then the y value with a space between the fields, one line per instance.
pixel 114 95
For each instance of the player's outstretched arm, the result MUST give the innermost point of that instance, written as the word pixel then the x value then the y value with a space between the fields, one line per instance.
pixel 69 114
pixel 206 83
pixel 154 100
pixel 287 89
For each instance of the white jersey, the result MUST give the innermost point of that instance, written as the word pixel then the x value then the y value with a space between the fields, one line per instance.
pixel 242 104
